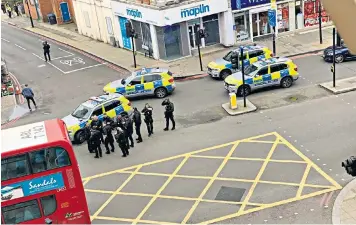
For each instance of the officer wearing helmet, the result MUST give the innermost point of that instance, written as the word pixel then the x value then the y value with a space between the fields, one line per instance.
pixel 168 114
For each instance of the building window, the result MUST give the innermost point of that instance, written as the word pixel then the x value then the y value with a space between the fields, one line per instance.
pixel 311 13
pixel 211 26
pixel 109 25
pixel 86 18
pixel 283 17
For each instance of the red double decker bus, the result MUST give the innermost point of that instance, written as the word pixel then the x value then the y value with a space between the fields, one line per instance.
pixel 40 178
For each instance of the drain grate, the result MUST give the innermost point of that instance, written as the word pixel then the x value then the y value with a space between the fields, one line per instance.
pixel 230 194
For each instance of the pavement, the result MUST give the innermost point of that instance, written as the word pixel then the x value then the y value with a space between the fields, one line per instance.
pixel 288 44
pixel 344 210
pixel 341 86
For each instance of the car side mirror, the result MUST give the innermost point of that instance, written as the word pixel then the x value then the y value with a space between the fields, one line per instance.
pixel 123 81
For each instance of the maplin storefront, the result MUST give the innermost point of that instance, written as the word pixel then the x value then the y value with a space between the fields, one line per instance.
pixel 170 32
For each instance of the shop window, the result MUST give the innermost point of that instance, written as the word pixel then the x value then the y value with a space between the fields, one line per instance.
pixel 211 26
pixel 172 41
pixel 311 13
pixel 283 17
pixel 109 25
pixel 242 27
pixel 86 18
pixel 49 204
pixel 21 212
pixel 14 167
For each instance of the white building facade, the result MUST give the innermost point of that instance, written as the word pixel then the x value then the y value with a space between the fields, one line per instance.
pixel 95 19
pixel 169 31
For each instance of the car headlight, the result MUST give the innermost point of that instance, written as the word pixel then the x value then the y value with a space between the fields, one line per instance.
pixel 329 53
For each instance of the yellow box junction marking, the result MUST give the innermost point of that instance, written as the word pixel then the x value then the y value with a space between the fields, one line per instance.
pixel 279 140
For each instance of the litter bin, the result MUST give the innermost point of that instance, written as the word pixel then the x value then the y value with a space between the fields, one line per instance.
pixel 52 19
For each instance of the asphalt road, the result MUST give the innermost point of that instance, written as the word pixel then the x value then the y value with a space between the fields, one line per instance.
pixel 311 125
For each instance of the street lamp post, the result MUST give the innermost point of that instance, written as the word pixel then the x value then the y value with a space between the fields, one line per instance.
pixel 243 75
pixel 334 47
pixel 320 31
pixel 29 13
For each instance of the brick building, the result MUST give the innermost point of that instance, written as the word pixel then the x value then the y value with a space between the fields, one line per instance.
pixel 63 9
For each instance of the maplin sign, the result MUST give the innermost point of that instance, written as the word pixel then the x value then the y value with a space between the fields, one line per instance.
pixel 135 13
pixel 194 11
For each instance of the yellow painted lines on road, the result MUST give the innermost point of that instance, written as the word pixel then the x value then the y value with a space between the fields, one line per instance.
pixel 224 158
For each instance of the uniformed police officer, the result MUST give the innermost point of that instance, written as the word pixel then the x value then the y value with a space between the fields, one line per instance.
pixel 147 112
pixel 128 128
pixel 98 125
pixel 109 138
pixel 169 113
pixel 87 134
pixel 137 119
pixel 96 142
pixel 122 142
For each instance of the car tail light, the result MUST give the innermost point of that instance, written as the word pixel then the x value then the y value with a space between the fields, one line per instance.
pixel 296 69
pixel 171 80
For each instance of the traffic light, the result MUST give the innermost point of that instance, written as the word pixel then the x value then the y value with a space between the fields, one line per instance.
pixel 130 32
pixel 350 166
pixel 235 60
pixel 332 69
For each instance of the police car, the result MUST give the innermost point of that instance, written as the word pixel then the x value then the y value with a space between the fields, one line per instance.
pixel 221 68
pixel 147 81
pixel 268 72
pixel 108 104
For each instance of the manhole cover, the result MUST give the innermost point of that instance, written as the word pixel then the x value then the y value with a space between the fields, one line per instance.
pixel 231 194
pixel 295 98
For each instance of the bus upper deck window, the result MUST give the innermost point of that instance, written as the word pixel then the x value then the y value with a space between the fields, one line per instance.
pixel 14 167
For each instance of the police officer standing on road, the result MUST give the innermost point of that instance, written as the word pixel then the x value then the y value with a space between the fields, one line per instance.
pixel 128 124
pixel 87 134
pixel 137 119
pixel 109 138
pixel 147 111
pixel 98 125
pixel 96 143
pixel 122 142
pixel 169 114
pixel 46 51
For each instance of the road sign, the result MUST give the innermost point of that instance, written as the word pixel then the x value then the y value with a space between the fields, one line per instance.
pixel 272 20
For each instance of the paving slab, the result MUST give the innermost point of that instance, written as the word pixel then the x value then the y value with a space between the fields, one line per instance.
pixel 240 108
pixel 341 86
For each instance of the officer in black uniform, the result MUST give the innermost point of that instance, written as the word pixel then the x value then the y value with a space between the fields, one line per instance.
pixel 109 138
pixel 96 142
pixel 169 114
pixel 98 125
pixel 137 119
pixel 87 134
pixel 147 111
pixel 122 142
pixel 128 129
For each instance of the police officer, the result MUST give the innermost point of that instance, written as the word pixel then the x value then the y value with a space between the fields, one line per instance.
pixel 87 134
pixel 109 138
pixel 128 129
pixel 122 142
pixel 96 142
pixel 98 125
pixel 147 111
pixel 169 114
pixel 46 51
pixel 137 119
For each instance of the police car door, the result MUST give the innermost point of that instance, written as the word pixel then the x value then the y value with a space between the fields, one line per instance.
pixel 134 87
pixel 109 108
pixel 98 111
pixel 258 78
pixel 275 74
pixel 148 84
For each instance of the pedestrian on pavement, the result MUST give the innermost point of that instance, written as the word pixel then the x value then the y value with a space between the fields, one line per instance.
pixel 20 7
pixel 109 138
pixel 46 51
pixel 16 9
pixel 3 8
pixel 147 112
pixel 87 134
pixel 96 143
pixel 28 94
pixel 98 125
pixel 8 8
pixel 122 142
pixel 137 119
pixel 169 114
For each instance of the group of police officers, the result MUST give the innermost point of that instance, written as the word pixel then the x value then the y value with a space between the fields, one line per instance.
pixel 98 131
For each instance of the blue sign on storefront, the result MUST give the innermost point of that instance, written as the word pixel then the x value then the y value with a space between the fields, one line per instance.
pixel 272 19
pixel 241 4
pixel 31 187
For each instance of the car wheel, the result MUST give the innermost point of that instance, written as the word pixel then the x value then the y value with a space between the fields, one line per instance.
pixel 240 91
pixel 224 74
pixel 286 82
pixel 161 92
pixel 79 137
pixel 339 58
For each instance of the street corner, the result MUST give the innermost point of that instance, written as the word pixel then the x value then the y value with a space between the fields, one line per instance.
pixel 209 185
pixel 68 62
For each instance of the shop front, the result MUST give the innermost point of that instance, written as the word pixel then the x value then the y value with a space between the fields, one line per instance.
pixel 171 33
pixel 251 18
pixel 311 13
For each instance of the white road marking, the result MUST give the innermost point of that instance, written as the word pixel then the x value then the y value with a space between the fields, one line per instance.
pixel 43 65
pixel 84 68
pixel 66 56
pixel 20 47
pixel 66 51
pixel 48 63
pixel 5 40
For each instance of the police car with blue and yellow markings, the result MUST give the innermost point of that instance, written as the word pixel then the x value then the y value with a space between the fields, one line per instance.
pixel 221 68
pixel 111 105
pixel 265 73
pixel 147 81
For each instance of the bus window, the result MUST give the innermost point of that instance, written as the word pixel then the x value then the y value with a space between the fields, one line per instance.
pixel 49 205
pixel 21 212
pixel 14 167
pixel 47 159
pixel 37 160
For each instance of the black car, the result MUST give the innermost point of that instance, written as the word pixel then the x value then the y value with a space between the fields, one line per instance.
pixel 342 54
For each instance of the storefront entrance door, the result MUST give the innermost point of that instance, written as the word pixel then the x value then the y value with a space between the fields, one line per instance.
pixel 259 22
pixel 193 29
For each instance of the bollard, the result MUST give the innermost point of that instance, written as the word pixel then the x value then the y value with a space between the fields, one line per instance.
pixel 233 101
